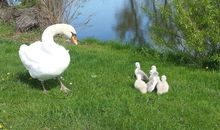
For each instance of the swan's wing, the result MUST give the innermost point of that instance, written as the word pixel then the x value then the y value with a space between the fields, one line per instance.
pixel 44 61
pixel 29 55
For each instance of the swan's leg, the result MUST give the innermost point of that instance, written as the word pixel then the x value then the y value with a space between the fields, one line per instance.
pixel 63 87
pixel 44 90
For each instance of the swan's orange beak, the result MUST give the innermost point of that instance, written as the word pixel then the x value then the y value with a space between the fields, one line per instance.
pixel 74 39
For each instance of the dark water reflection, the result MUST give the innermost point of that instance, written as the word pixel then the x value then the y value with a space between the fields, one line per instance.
pixel 114 20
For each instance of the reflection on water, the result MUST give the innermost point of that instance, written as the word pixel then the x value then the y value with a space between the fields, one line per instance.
pixel 114 20
pixel 131 23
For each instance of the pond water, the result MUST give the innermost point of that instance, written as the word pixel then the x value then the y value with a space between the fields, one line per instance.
pixel 114 20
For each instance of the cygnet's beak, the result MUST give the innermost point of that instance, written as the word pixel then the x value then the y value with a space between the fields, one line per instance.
pixel 74 39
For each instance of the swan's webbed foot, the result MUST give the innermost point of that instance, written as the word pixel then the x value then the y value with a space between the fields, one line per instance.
pixel 63 88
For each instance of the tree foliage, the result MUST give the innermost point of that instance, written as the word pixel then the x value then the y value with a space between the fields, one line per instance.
pixel 191 27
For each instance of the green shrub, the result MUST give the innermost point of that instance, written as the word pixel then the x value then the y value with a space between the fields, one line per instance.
pixel 190 27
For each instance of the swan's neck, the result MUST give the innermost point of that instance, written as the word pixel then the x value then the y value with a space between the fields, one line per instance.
pixel 50 32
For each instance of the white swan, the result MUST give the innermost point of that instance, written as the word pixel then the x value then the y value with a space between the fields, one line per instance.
pixel 162 86
pixel 140 84
pixel 140 72
pixel 45 59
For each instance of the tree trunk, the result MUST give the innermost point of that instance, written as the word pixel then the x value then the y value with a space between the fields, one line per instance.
pixel 27 19
pixel 3 4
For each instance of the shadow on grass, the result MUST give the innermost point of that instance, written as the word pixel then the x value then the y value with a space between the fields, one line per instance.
pixel 25 78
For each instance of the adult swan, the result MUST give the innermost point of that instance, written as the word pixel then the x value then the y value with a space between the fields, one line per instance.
pixel 45 59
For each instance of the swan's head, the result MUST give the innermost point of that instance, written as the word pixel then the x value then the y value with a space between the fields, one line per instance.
pixel 74 39
pixel 70 33
pixel 137 65
pixel 62 28
pixel 163 78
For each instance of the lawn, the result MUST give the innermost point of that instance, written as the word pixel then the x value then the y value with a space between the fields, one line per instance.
pixel 102 95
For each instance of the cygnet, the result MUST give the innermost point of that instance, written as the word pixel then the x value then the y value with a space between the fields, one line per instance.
pixel 140 72
pixel 153 80
pixel 140 84
pixel 162 86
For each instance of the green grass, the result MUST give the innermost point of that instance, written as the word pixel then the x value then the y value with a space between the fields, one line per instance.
pixel 102 94
pixel 8 32
pixel 6 29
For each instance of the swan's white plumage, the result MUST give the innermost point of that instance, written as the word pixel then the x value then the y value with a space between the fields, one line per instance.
pixel 44 62
pixel 45 59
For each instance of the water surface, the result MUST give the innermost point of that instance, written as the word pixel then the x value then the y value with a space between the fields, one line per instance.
pixel 114 20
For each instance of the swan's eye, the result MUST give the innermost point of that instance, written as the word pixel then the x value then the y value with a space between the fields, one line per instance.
pixel 73 34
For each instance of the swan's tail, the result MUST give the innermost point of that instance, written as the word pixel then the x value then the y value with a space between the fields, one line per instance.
pixel 22 55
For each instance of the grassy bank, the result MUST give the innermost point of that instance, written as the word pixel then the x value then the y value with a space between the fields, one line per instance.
pixel 102 94
pixel 8 32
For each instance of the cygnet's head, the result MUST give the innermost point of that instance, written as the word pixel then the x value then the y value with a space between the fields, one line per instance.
pixel 137 65
pixel 163 78
pixel 153 67
pixel 153 70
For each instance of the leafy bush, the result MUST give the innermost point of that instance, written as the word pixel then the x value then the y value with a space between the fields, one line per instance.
pixel 189 27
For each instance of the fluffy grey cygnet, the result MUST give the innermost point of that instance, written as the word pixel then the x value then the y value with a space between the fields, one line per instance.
pixel 140 72
pixel 153 80
pixel 140 84
pixel 162 86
